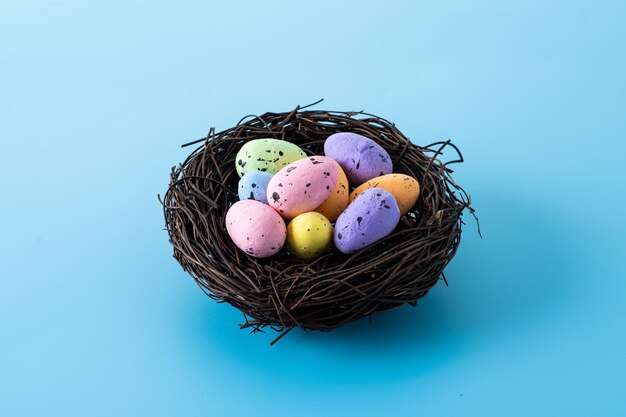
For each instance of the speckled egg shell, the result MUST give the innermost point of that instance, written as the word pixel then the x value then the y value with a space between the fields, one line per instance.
pixel 338 199
pixel 302 185
pixel 370 217
pixel 309 235
pixel 361 158
pixel 405 189
pixel 267 155
pixel 255 228
pixel 253 186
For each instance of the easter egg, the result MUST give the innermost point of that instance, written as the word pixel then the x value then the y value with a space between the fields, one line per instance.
pixel 267 155
pixel 405 189
pixel 338 199
pixel 302 185
pixel 361 158
pixel 253 186
pixel 309 235
pixel 255 228
pixel 370 217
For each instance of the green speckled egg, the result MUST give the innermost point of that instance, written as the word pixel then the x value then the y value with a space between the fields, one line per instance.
pixel 267 155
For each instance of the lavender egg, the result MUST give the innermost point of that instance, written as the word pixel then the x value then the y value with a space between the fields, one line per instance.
pixel 372 215
pixel 253 186
pixel 361 158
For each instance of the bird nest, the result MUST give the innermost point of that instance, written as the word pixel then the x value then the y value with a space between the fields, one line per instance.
pixel 283 292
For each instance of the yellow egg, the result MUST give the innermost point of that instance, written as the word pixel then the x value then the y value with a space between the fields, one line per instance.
pixel 338 199
pixel 404 188
pixel 309 235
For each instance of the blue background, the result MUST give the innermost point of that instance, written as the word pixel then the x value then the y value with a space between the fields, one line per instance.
pixel 97 318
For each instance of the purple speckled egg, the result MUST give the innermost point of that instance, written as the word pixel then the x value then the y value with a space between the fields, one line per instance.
pixel 256 228
pixel 361 158
pixel 302 185
pixel 370 217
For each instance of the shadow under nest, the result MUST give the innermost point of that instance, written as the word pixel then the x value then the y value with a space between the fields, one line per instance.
pixel 282 292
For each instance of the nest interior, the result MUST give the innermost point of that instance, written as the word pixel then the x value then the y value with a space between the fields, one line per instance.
pixel 283 292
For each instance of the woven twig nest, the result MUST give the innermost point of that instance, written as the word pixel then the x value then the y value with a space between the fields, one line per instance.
pixel 282 291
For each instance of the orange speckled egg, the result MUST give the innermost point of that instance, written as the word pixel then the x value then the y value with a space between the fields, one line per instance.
pixel 404 188
pixel 338 199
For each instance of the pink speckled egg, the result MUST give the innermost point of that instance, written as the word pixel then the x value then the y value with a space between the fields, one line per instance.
pixel 302 185
pixel 255 228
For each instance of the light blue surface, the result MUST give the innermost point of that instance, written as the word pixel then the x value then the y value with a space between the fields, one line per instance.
pixel 96 317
